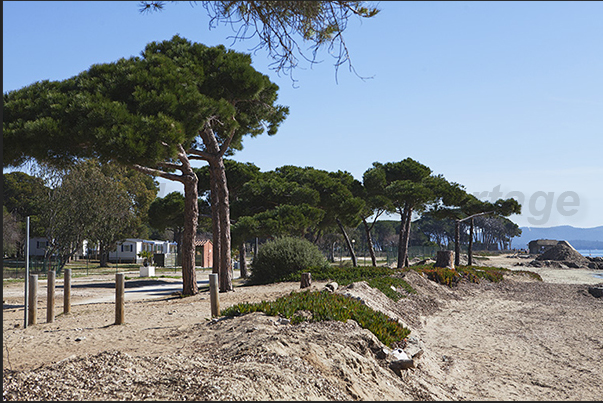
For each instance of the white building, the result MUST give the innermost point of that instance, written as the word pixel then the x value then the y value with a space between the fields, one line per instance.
pixel 37 246
pixel 128 250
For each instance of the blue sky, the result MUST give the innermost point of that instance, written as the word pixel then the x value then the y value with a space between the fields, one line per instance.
pixel 505 98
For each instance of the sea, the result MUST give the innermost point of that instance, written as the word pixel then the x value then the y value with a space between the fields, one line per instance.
pixel 592 253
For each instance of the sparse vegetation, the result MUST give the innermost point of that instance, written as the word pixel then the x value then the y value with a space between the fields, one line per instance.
pixel 473 274
pixel 382 278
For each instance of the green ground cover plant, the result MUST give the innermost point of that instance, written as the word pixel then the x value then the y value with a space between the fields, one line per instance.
pixel 326 306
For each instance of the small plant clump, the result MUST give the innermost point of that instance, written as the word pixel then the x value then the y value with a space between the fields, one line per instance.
pixel 326 306
pixel 147 255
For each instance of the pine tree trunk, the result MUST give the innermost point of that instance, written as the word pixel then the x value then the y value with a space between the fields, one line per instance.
pixel 470 248
pixel 457 243
pixel 369 240
pixel 332 253
pixel 404 237
pixel 400 263
pixel 347 240
pixel 225 272
pixel 242 261
pixel 215 219
pixel 191 215
pixel 104 261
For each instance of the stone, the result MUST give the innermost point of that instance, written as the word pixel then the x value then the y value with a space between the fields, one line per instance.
pixel 596 292
pixel 332 286
pixel 401 364
pixel 398 358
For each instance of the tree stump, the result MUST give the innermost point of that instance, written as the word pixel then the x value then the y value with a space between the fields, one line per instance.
pixel 445 258
pixel 306 280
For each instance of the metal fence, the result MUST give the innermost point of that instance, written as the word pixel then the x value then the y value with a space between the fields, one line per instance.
pixel 13 268
pixel 388 256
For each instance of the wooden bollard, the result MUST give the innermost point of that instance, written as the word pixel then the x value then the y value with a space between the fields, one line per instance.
pixel 67 291
pixel 445 258
pixel 306 280
pixel 50 296
pixel 213 295
pixel 119 298
pixel 33 300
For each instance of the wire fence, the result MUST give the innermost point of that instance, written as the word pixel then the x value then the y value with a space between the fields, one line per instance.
pixel 13 268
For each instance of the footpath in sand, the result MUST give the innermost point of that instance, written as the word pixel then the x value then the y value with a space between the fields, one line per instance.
pixel 516 340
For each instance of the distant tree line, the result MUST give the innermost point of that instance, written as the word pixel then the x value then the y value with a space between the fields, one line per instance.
pixel 102 204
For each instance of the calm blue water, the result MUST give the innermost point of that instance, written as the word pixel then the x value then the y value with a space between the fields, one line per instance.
pixel 591 252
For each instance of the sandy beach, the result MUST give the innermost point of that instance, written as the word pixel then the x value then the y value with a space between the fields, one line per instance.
pixel 516 340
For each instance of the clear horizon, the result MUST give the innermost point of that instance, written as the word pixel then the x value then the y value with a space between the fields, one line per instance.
pixel 504 98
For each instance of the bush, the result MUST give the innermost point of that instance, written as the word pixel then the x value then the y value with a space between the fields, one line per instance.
pixel 279 258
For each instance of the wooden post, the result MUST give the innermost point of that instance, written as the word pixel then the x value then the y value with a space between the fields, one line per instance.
pixel 213 295
pixel 67 291
pixel 50 296
pixel 445 258
pixel 306 280
pixel 119 298
pixel 33 299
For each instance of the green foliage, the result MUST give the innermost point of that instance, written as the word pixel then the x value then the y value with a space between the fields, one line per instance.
pixel 11 233
pixel 167 212
pixel 146 254
pixel 440 275
pixel 295 201
pixel 278 25
pixel 385 284
pixel 141 109
pixel 25 195
pixel 327 306
pixel 276 259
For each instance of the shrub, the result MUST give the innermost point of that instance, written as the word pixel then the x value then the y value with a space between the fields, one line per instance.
pixel 279 258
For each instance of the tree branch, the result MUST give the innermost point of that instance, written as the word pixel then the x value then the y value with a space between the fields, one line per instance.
pixel 170 165
pixel 226 144
pixel 186 164
pixel 199 155
pixel 157 172
pixel 475 215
